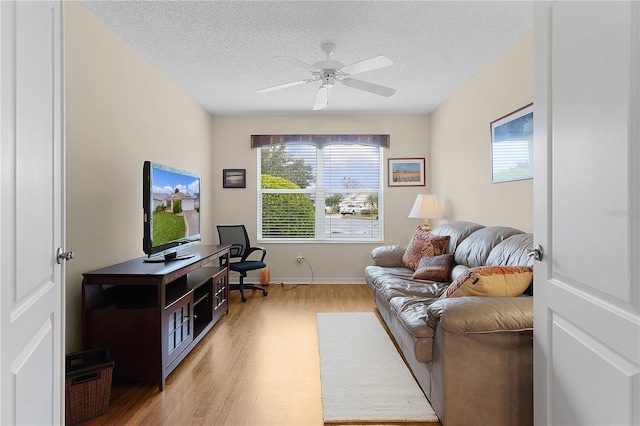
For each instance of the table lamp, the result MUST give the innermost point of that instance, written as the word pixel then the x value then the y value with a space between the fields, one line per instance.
pixel 426 207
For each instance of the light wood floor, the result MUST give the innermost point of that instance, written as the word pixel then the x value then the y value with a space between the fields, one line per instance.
pixel 258 365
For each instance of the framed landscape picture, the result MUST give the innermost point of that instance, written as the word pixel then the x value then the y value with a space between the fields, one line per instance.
pixel 406 172
pixel 234 178
pixel 512 146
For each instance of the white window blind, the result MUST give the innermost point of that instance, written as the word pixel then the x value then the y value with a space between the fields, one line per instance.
pixel 302 189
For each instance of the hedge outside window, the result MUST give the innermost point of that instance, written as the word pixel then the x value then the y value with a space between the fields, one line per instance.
pixel 320 192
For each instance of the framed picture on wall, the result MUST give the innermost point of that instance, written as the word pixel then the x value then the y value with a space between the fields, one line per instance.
pixel 234 178
pixel 406 172
pixel 512 146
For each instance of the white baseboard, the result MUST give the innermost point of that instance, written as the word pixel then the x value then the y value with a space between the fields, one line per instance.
pixel 319 281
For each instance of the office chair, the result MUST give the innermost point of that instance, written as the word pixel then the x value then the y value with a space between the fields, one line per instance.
pixel 236 237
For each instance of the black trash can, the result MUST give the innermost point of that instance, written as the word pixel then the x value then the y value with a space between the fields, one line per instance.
pixel 88 385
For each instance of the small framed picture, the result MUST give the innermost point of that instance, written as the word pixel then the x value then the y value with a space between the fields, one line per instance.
pixel 406 172
pixel 234 178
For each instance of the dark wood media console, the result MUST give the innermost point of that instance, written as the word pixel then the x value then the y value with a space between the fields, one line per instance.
pixel 150 315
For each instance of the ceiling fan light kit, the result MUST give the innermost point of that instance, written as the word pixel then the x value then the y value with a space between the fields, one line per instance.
pixel 328 71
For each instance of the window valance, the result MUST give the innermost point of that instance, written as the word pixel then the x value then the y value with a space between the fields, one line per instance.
pixel 320 141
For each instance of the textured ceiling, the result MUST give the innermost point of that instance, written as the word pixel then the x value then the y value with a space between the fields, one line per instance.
pixel 221 52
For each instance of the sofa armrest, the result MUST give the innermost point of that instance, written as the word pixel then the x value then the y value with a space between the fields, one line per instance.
pixel 474 314
pixel 388 256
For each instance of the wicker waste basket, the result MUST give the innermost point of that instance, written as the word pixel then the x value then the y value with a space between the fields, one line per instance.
pixel 88 385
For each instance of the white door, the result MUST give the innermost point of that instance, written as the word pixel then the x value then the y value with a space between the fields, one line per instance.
pixel 31 214
pixel 587 213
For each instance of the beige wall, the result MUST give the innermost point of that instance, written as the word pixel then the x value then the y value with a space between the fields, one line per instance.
pixel 460 143
pixel 331 262
pixel 120 111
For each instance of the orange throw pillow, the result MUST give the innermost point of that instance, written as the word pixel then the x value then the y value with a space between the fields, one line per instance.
pixel 505 281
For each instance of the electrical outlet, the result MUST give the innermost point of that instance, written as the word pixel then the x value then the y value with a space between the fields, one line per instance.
pixel 299 257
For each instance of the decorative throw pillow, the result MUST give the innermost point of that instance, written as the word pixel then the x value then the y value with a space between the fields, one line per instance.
pixel 423 244
pixel 435 268
pixel 507 281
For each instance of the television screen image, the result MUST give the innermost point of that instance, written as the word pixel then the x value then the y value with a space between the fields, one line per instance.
pixel 171 209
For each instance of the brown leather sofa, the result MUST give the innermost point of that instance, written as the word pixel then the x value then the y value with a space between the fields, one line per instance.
pixel 472 356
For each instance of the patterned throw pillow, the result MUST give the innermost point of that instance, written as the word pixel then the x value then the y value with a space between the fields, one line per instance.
pixel 423 244
pixel 505 281
pixel 435 268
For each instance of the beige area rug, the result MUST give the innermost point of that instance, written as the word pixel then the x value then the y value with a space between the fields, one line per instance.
pixel 364 379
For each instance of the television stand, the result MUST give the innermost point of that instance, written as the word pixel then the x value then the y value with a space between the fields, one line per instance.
pixel 151 315
pixel 168 258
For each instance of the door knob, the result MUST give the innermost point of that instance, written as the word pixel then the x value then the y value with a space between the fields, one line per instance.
pixel 536 253
pixel 63 255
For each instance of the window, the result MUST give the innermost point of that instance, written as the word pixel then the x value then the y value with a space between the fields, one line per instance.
pixel 319 193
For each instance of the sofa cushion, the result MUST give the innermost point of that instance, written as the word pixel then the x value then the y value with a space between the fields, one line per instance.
pixel 423 244
pixel 474 250
pixel 457 271
pixel 435 268
pixel 411 312
pixel 394 282
pixel 457 231
pixel 512 251
pixel 509 281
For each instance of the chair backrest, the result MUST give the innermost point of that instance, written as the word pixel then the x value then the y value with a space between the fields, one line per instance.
pixel 235 236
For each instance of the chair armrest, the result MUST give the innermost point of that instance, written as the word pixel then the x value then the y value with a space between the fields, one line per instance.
pixel 388 256
pixel 254 249
pixel 474 314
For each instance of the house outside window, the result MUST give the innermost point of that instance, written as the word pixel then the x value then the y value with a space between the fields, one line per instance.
pixel 329 192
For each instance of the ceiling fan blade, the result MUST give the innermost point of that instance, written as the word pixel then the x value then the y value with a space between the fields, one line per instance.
pixel 322 98
pixel 284 86
pixel 298 63
pixel 369 87
pixel 367 65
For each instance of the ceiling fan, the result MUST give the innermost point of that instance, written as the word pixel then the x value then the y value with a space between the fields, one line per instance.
pixel 329 71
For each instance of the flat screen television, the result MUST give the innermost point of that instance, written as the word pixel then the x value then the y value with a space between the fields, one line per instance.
pixel 171 206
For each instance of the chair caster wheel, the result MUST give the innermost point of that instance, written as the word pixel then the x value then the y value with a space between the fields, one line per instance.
pixel 244 299
pixel 264 293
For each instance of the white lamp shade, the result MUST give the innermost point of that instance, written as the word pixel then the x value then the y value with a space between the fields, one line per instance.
pixel 426 207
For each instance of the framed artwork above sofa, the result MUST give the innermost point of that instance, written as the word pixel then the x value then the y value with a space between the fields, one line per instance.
pixel 512 146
